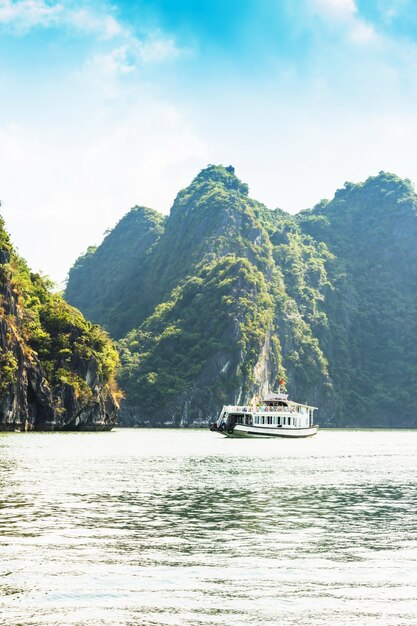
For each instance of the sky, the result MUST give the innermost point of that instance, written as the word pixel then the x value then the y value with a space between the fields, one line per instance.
pixel 107 105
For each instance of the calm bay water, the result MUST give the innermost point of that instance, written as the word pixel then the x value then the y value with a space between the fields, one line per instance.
pixel 177 527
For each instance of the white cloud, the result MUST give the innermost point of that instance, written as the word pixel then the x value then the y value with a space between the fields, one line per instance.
pixel 345 14
pixel 361 32
pixel 106 69
pixel 88 21
pixel 157 48
pixel 22 15
pixel 389 11
pixel 340 9
pixel 118 51
pixel 103 66
pixel 128 50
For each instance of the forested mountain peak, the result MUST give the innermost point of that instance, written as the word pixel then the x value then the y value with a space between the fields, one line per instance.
pixel 211 217
pixel 375 193
pixel 383 184
pixel 221 175
pixel 139 217
pixel 101 280
pixel 382 208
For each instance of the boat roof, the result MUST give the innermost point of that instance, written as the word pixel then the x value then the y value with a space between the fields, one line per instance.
pixel 276 397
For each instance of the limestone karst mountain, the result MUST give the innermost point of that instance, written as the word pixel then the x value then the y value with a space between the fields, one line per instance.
pixel 224 296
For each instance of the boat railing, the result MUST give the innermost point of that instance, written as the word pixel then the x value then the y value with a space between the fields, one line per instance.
pixel 263 409
pixel 275 409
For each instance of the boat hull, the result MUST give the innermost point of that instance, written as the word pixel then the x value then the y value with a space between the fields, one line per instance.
pixel 242 430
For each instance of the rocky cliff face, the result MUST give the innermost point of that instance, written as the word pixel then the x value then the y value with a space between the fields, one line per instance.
pixel 55 368
pixel 198 352
pixel 24 393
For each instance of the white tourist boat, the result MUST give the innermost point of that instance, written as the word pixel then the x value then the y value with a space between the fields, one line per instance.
pixel 276 416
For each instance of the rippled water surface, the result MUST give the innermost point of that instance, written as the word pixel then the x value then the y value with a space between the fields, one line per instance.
pixel 177 527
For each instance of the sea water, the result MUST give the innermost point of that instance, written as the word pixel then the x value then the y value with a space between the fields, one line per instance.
pixel 186 527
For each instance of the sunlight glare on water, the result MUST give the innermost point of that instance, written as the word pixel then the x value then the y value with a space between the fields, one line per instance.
pixel 186 527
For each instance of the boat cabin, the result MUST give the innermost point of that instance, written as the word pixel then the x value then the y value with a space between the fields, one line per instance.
pixel 234 418
pixel 276 400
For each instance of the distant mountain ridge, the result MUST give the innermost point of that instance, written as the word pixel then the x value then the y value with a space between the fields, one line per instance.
pixel 223 297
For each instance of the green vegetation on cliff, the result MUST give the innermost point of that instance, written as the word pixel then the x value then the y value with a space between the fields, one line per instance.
pixel 45 338
pixel 225 296
pixel 172 347
pixel 108 284
pixel 371 229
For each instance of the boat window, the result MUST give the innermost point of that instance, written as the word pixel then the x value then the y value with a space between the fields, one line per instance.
pixel 269 418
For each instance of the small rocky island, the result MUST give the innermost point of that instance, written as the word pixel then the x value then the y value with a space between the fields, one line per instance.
pixel 56 369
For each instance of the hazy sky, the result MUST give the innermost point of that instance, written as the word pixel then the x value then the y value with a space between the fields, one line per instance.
pixel 107 105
